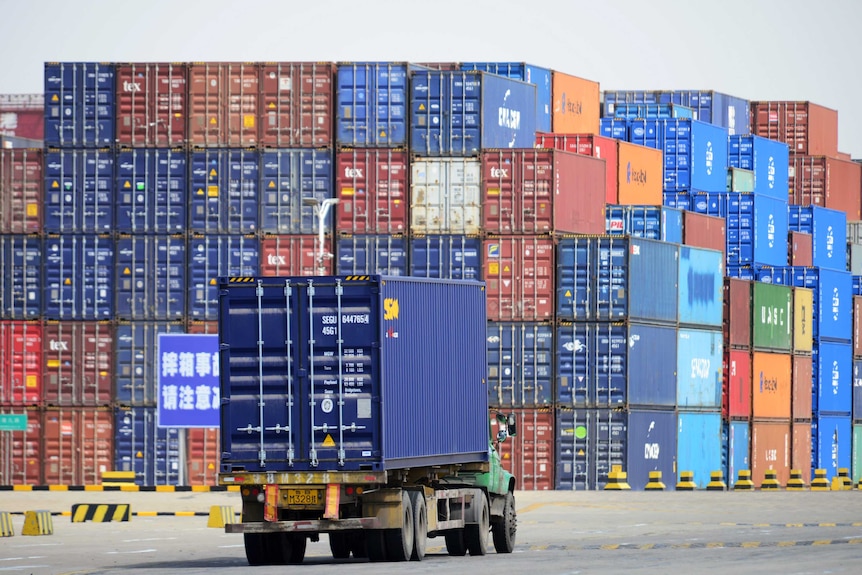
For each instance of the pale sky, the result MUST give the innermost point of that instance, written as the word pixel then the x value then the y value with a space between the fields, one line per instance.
pixel 754 49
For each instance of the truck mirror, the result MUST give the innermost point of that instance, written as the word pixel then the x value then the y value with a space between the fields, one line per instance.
pixel 510 424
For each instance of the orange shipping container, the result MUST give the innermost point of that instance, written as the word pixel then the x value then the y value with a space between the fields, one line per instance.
pixel 576 105
pixel 770 449
pixel 800 450
pixel 771 385
pixel 202 456
pixel 803 320
pixel 801 249
pixel 530 455
pixel 223 102
pixel 640 175
pixel 802 385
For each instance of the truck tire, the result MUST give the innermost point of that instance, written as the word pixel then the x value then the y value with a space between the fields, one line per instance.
pixel 295 548
pixel 400 542
pixel 504 531
pixel 375 545
pixel 256 548
pixel 357 545
pixel 455 544
pixel 339 544
pixel 476 534
pixel 420 525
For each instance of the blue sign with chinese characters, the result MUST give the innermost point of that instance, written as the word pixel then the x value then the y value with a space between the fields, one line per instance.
pixel 188 385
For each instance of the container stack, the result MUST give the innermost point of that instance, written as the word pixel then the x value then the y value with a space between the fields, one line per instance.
pixel 736 393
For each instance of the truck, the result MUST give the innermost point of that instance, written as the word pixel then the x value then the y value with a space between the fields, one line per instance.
pixel 357 407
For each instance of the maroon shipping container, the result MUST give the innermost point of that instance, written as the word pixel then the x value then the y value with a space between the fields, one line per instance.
pixel 21 195
pixel 588 145
pixel 372 188
pixel 296 105
pixel 530 455
pixel 770 449
pixel 857 326
pixel 801 249
pixel 20 363
pixel 519 277
pixel 844 156
pixel 540 191
pixel 736 395
pixel 802 381
pixel 805 127
pixel 202 456
pixel 293 255
pixel 224 103
pixel 22 116
pixel 828 183
pixel 703 231
pixel 79 363
pixel 442 66
pixel 737 313
pixel 78 445
pixel 151 104
pixel 202 327
pixel 21 451
pixel 800 449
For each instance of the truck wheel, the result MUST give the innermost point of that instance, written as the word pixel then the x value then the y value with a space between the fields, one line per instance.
pixel 255 548
pixel 357 545
pixel 476 534
pixel 455 544
pixel 399 542
pixel 339 544
pixel 375 545
pixel 295 548
pixel 420 525
pixel 505 530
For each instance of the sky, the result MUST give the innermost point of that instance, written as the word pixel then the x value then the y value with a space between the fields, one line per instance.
pixel 754 49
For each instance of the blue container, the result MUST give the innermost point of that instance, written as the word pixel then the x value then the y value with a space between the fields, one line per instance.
pixel 615 278
pixel 136 367
pixel 589 443
pixel 833 300
pixel 698 444
pixel 766 274
pixel 699 368
pixel 80 105
pixel 678 200
pixel 461 113
pixel 151 277
pixel 602 364
pixel 709 106
pixel 79 277
pixel 541 77
pixel 371 100
pixel 756 229
pixel 857 285
pixel 79 191
pixel 736 443
pixel 651 222
pixel 21 284
pixel 454 257
pixel 857 390
pixel 617 128
pixel 651 446
pixel 768 159
pixel 152 191
pixel 289 177
pixel 211 257
pixel 224 192
pixel 832 390
pixel 410 368
pixel 701 286
pixel 828 229
pixel 652 111
pixel 520 364
pixel 831 443
pixel 153 453
pixel 372 254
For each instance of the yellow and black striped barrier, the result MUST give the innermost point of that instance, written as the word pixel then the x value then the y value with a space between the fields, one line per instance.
pixel 6 527
pixel 842 481
pixel 716 481
pixel 686 481
pixel 118 478
pixel 795 482
pixel 770 481
pixel 101 513
pixel 221 515
pixel 819 483
pixel 38 523
pixel 617 479
pixel 124 487
pixel 655 483
pixel 743 481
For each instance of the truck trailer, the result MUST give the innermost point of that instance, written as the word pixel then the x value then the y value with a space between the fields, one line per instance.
pixel 357 406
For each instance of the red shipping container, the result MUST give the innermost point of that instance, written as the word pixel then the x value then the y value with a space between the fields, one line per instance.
pixel 22 116
pixel 21 451
pixel 293 255
pixel 202 456
pixel 202 327
pixel 540 191
pixel 21 195
pixel 770 449
pixel 151 104
pixel 805 127
pixel 78 445
pixel 844 156
pixel 703 231
pixel 371 185
pixel 800 450
pixel 588 145
pixel 519 277
pixel 802 383
pixel 737 313
pixel 801 249
pixel 530 454
pixel 828 183
pixel 20 363
pixel 297 102
pixel 79 363
pixel 736 396
pixel 224 103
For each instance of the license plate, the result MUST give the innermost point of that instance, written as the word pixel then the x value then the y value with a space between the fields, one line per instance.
pixel 303 497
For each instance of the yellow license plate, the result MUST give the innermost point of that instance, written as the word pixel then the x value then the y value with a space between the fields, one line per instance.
pixel 303 497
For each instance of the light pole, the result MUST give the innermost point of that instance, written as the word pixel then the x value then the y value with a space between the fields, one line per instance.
pixel 320 211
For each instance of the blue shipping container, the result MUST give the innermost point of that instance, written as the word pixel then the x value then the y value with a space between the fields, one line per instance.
pixel 371 101
pixel 828 229
pixel 678 200
pixel 833 300
pixel 372 254
pixel 212 257
pixel 224 191
pixel 857 390
pixel 454 257
pixel 79 277
pixel 21 283
pixel 80 105
pixel 831 443
pixel 701 286
pixel 152 191
pixel 652 111
pixel 615 278
pixel 136 365
pixel 288 178
pixel 520 364
pixel 651 222
pixel 767 159
pixel 616 128
pixel 80 191
pixel 735 445
pixel 153 453
pixel 602 364
pixel 461 113
pixel 589 443
pixel 541 77
pixel 709 106
pixel 698 445
pixel 832 390
pixel 151 277
pixel 699 368
pixel 407 368
pixel 651 446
